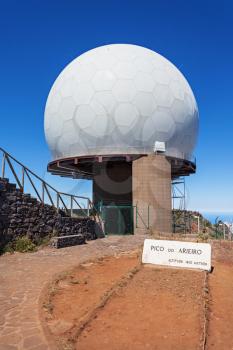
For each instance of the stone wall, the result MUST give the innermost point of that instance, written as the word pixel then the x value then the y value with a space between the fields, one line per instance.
pixel 21 215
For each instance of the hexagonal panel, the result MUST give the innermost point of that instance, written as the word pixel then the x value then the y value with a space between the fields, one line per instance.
pixel 144 82
pixel 126 115
pixel 125 53
pixel 148 131
pixel 185 86
pixel 145 103
pixel 162 136
pixel 159 62
pixel 144 64
pixel 177 90
pixel 85 72
pixel 78 148
pixel 163 95
pixel 48 121
pixel 56 129
pixel 124 90
pixel 62 146
pixel 105 61
pixel 111 124
pixel 98 126
pixel 70 131
pixel 103 80
pixel 53 102
pixel 187 143
pixel 88 57
pixel 172 71
pixel 125 70
pixel 137 130
pixel 52 142
pixel 97 107
pixel 84 116
pixel 135 135
pixel 67 108
pixel 179 111
pixel 68 87
pixel 83 93
pixel 160 76
pixel 106 99
pixel 164 121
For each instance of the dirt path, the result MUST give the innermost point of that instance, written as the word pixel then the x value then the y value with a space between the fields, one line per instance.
pixel 157 310
pixel 152 309
pixel 23 277
pixel 221 305
pixel 117 305
pixel 75 298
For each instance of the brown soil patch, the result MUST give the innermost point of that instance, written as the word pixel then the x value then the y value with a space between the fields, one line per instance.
pixel 221 304
pixel 74 296
pixel 116 303
pixel 159 309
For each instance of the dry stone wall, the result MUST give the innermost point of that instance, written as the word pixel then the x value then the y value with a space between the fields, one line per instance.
pixel 21 215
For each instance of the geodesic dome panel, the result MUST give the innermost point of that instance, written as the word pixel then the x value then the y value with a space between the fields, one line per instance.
pixel 120 99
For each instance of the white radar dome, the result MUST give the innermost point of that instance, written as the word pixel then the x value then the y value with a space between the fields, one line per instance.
pixel 120 99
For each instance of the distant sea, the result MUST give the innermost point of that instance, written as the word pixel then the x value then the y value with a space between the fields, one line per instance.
pixel 223 216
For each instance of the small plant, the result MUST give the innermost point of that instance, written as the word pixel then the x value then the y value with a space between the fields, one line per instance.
pixel 203 236
pixel 24 244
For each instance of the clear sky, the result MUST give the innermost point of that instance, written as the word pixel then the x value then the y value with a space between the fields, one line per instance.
pixel 39 38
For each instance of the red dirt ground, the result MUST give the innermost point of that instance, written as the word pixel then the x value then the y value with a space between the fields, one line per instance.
pixel 116 303
pixel 221 305
pixel 157 310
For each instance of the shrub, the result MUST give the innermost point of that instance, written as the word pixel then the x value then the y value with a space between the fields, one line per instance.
pixel 203 236
pixel 20 244
pixel 24 244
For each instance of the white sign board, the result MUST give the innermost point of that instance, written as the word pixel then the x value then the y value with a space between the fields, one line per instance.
pixel 177 254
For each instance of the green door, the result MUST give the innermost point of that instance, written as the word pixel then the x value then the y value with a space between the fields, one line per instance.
pixel 118 219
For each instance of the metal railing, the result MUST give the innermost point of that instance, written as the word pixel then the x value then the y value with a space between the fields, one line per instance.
pixel 44 192
pixel 143 218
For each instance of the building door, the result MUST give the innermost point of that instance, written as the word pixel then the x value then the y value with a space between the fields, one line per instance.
pixel 118 219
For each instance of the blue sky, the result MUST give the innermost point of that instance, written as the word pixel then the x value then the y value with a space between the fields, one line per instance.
pixel 39 38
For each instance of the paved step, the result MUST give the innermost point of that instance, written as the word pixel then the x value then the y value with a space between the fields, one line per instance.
pixel 67 241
